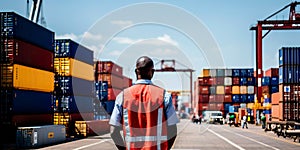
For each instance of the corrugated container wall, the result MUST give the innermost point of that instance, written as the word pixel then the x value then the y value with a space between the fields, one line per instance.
pixel 67 48
pixel 27 78
pixel 15 51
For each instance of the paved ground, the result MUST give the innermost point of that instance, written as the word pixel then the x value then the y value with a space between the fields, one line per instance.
pixel 199 137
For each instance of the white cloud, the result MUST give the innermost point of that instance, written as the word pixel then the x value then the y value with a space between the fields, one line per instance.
pixel 161 40
pixel 122 23
pixel 168 39
pixel 90 36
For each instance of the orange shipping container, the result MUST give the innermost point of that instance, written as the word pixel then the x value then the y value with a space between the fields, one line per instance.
pixel 235 89
pixel 73 67
pixel 243 90
pixel 205 73
pixel 28 78
pixel 276 98
pixel 275 112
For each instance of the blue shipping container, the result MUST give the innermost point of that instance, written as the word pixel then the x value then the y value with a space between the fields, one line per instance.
pixel 16 26
pixel 67 85
pixel 251 81
pixel 274 81
pixel 243 81
pixel 31 102
pixel 250 72
pixel 236 72
pixel 274 89
pixel 265 81
pixel 268 111
pixel 69 48
pixel 288 74
pixel 250 98
pixel 243 98
pixel 236 98
pixel 243 72
pixel 289 56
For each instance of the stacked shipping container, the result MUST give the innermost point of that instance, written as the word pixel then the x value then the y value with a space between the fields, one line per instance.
pixel 285 103
pixel 270 85
pixel 73 94
pixel 26 57
pixel 217 89
pixel 110 74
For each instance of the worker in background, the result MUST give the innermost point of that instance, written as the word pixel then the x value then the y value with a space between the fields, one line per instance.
pixel 145 112
pixel 263 121
pixel 244 122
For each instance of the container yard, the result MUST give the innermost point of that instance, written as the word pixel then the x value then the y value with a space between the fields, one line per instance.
pixel 59 89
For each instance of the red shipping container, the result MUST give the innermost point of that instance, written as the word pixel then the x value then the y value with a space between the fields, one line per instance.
pixel 220 98
pixel 272 72
pixel 227 98
pixel 108 67
pixel 212 81
pixel 127 82
pixel 227 90
pixel 113 93
pixel 203 89
pixel 81 116
pixel 200 81
pixel 24 53
pixel 202 106
pixel 235 81
pixel 112 80
pixel 205 80
pixel 220 80
pixel 203 99
pixel 212 98
pixel 32 119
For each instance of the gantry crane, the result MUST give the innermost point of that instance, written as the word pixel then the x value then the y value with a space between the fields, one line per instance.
pixel 169 66
pixel 36 11
pixel 292 23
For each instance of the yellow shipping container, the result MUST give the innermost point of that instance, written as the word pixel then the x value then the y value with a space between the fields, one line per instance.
pixel 73 67
pixel 205 73
pixel 243 90
pixel 220 90
pixel 235 89
pixel 32 79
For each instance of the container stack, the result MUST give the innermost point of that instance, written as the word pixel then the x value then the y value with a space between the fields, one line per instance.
pixel 286 104
pixel 270 85
pixel 112 73
pixel 26 57
pixel 217 89
pixel 73 94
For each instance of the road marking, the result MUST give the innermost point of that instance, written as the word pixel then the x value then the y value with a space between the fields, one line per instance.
pixel 225 139
pixel 253 140
pixel 82 147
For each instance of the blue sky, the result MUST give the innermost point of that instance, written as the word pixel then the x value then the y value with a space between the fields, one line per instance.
pixel 218 25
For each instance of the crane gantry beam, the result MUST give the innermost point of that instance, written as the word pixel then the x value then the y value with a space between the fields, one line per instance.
pixel 293 23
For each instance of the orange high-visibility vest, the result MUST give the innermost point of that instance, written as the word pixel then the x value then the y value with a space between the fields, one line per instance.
pixel 144 119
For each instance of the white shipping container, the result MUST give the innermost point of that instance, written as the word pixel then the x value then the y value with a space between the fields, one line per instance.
pixel 250 89
pixel 228 72
pixel 227 81
pixel 213 72
pixel 37 136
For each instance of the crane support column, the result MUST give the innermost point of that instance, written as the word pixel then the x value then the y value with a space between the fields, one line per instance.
pixel 259 71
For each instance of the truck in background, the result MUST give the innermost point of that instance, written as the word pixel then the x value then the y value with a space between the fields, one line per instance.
pixel 213 117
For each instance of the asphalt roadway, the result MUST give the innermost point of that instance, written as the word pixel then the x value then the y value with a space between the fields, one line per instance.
pixel 199 137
